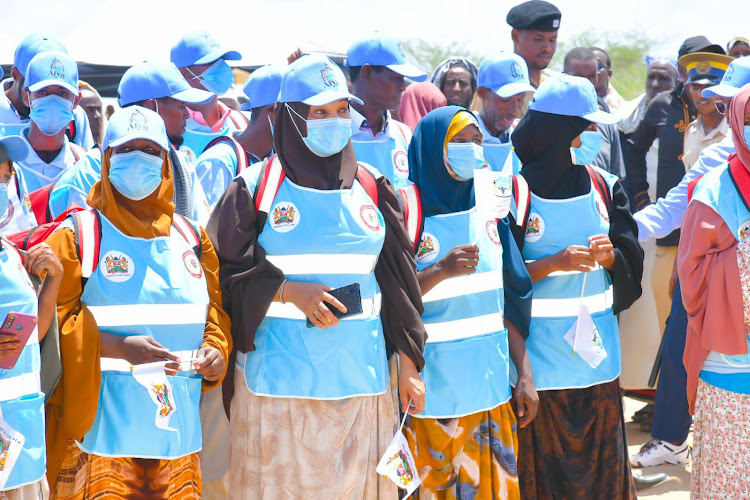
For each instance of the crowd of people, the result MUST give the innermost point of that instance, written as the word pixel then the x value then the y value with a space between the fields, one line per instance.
pixel 211 297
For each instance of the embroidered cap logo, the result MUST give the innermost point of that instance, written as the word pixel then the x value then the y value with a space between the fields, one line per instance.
pixel 703 68
pixel 728 74
pixel 329 78
pixel 401 49
pixel 516 71
pixel 212 44
pixel 56 69
pixel 138 121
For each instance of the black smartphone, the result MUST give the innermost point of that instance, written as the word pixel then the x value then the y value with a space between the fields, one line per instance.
pixel 348 295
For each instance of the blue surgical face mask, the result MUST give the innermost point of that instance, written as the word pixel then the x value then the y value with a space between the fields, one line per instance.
pixel 747 134
pixel 591 143
pixel 51 113
pixel 3 201
pixel 325 137
pixel 217 78
pixel 464 158
pixel 136 174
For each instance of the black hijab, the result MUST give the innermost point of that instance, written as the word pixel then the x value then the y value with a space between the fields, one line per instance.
pixel 302 166
pixel 440 193
pixel 542 143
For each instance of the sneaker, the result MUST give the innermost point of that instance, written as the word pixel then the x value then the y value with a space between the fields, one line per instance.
pixel 658 452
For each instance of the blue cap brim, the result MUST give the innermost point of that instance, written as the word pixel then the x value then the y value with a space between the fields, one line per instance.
pixel 330 96
pixel 409 71
pixel 48 83
pixel 17 148
pixel 127 138
pixel 602 117
pixel 512 89
pixel 193 96
pixel 228 55
pixel 722 90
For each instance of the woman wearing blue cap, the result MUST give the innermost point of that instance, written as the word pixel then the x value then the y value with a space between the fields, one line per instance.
pixel 304 238
pixel 477 298
pixel 141 288
pixel 579 241
pixel 22 314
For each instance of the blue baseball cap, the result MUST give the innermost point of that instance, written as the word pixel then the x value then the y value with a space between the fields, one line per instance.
pixel 199 47
pixel 52 67
pixel 736 76
pixel 135 122
pixel 18 149
pixel 383 51
pixel 152 80
pixel 262 87
pixel 31 46
pixel 506 75
pixel 570 96
pixel 315 80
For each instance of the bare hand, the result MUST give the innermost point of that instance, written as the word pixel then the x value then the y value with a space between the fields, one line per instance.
pixel 410 386
pixel 294 56
pixel 140 349
pixel 602 250
pixel 526 400
pixel 40 258
pixel 212 365
pixel 461 260
pixel 575 258
pixel 311 299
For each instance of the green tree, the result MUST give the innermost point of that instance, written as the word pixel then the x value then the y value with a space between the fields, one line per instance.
pixel 428 55
pixel 626 50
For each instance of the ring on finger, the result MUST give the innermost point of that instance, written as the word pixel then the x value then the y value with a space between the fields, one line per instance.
pixel 315 313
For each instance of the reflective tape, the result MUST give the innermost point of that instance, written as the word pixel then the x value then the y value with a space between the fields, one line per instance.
pixel 324 263
pixel 370 309
pixel 20 385
pixel 150 314
pixel 122 365
pixel 464 328
pixel 465 285
pixel 563 308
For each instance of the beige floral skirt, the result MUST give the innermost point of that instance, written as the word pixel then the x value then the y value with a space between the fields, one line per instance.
pixel 309 449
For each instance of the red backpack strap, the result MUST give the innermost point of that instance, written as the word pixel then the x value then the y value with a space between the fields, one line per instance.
pixel 413 214
pixel 691 187
pixel 239 151
pixel 240 121
pixel 597 180
pixel 71 130
pixel 740 178
pixel 78 151
pixel 40 203
pixel 189 232
pixel 523 201
pixel 269 183
pixel 367 179
pixel 87 227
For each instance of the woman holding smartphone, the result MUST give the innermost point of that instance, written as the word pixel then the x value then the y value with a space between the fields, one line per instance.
pixel 312 409
pixel 21 397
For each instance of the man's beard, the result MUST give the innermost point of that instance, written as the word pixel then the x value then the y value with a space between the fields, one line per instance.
pixel 176 140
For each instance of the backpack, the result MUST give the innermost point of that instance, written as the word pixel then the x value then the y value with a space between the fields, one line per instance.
pixel 411 204
pixel 242 157
pixel 272 175
pixel 523 199
pixel 33 236
pixel 240 121
pixel 40 198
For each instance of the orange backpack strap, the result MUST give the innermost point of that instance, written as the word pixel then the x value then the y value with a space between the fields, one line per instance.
pixel 413 214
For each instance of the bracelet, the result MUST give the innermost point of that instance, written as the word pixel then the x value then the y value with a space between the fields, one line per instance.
pixel 281 291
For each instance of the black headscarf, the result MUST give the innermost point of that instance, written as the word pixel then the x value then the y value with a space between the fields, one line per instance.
pixel 542 143
pixel 440 193
pixel 302 166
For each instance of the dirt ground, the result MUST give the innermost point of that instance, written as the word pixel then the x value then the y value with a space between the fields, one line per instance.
pixel 677 487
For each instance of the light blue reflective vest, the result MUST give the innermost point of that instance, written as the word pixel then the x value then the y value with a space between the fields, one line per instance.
pixel 716 190
pixel 153 287
pixel 331 237
pixel 466 356
pixel 21 398
pixel 19 215
pixel 389 154
pixel 554 225
pixel 197 136
pixel 496 155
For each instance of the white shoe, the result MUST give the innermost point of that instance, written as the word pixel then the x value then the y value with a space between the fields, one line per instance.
pixel 658 452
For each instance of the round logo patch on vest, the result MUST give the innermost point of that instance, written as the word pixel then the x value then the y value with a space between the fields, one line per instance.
pixel 284 217
pixel 492 232
pixel 117 266
pixel 428 249
pixel 535 227
pixel 600 206
pixel 401 161
pixel 744 232
pixel 370 217
pixel 192 264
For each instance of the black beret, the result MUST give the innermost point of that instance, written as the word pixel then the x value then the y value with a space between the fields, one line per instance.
pixel 534 15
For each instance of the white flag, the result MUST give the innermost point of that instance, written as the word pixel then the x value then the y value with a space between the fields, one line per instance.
pixel 154 379
pixel 585 340
pixel 492 192
pixel 398 465
pixel 11 444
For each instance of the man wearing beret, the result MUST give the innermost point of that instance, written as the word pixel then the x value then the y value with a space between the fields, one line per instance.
pixel 535 24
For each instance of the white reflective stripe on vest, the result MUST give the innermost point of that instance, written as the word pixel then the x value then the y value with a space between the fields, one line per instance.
pixel 122 365
pixel 86 236
pixel 149 314
pixel 464 328
pixel 465 285
pixel 562 308
pixel 324 263
pixel 20 385
pixel 597 267
pixel 370 309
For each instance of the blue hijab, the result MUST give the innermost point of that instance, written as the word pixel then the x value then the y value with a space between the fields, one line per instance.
pixel 440 193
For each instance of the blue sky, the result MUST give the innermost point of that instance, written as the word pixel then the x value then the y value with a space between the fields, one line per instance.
pixel 126 32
